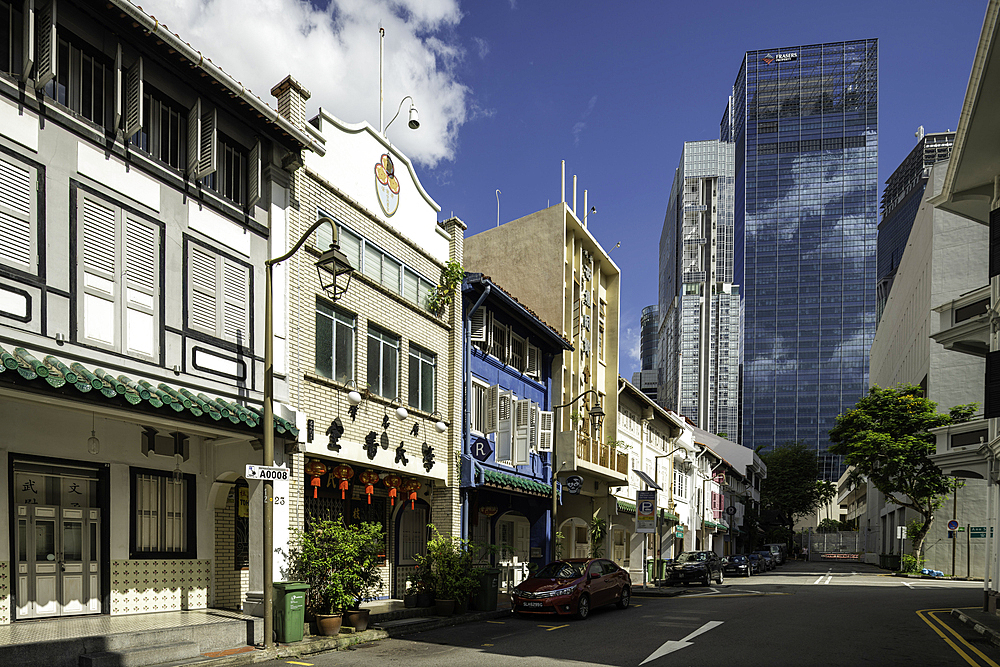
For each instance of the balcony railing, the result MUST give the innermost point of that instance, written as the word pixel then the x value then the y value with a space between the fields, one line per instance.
pixel 600 453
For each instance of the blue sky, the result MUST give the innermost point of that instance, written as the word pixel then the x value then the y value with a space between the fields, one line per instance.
pixel 507 89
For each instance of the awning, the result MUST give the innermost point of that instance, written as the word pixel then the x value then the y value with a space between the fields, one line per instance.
pixel 627 507
pixel 515 482
pixel 20 367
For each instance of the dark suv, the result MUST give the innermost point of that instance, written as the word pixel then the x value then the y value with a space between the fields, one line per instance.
pixel 700 566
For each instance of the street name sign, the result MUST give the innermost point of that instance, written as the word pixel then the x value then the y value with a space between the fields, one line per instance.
pixel 977 531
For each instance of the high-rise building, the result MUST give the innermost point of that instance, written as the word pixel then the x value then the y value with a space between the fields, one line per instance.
pixel 700 332
pixel 804 124
pixel 647 377
pixel 901 199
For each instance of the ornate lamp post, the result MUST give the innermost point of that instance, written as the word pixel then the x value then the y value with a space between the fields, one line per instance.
pixel 596 419
pixel 334 261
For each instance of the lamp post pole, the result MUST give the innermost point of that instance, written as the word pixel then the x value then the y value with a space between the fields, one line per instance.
pixel 596 417
pixel 332 258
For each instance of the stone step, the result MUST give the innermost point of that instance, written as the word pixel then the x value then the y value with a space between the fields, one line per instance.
pixel 142 656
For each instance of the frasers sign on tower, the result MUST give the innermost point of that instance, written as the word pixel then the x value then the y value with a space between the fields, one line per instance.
pixel 780 58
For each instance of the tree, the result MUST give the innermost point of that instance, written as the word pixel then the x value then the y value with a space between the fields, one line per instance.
pixel 885 439
pixel 792 487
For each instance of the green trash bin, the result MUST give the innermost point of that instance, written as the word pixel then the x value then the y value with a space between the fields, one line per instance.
pixel 289 610
pixel 485 597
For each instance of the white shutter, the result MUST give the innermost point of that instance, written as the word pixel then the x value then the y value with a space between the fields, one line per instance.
pixel 133 99
pixel 28 39
pixel 533 426
pixel 99 267
pixel 477 326
pixel 208 144
pixel 505 425
pixel 546 421
pixel 119 95
pixel 140 284
pixel 253 178
pixel 492 395
pixel 534 362
pixel 522 432
pixel 46 44
pixel 194 139
pixel 235 289
pixel 203 280
pixel 17 195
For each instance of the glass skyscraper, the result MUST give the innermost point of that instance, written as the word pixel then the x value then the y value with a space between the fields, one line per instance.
pixel 804 124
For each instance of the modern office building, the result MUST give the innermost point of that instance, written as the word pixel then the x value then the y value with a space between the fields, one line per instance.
pixel 647 377
pixel 701 333
pixel 804 124
pixel 902 197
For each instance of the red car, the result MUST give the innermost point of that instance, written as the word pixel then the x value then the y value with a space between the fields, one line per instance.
pixel 573 586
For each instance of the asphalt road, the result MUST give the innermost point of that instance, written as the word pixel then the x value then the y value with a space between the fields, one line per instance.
pixel 799 614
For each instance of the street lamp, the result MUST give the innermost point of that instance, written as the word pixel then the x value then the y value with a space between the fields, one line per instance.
pixel 596 419
pixel 670 497
pixel 336 262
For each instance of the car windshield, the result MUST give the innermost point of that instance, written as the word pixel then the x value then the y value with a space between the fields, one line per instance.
pixel 692 557
pixel 560 570
pixel 737 559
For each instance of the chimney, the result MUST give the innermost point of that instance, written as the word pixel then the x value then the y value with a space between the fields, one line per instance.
pixel 292 97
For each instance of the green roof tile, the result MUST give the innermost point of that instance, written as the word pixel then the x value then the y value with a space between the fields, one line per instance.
pixel 498 478
pixel 58 375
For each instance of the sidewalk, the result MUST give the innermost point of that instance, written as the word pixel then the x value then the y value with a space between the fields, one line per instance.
pixel 985 623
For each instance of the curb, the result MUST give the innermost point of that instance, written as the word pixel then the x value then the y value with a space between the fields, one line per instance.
pixel 992 636
pixel 434 622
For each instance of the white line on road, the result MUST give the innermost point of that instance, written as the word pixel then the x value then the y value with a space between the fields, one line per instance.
pixel 828 575
pixel 671 646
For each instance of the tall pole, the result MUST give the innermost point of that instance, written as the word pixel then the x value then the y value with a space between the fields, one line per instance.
pixel 268 456
pixel 381 40
pixel 954 542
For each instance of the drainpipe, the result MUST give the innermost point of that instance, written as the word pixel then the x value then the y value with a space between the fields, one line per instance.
pixel 466 415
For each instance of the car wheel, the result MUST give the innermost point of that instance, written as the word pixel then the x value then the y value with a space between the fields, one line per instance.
pixel 583 607
pixel 625 598
pixel 721 579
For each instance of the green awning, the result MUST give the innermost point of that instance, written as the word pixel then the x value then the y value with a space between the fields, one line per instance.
pixel 627 507
pixel 24 369
pixel 515 482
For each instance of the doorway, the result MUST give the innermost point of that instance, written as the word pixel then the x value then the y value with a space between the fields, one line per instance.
pixel 57 541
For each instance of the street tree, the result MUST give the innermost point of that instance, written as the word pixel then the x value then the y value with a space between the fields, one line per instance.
pixel 885 440
pixel 792 487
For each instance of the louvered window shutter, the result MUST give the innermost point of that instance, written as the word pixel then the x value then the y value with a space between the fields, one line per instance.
pixel 141 282
pixel 28 39
pixel 253 178
pixel 534 362
pixel 99 266
pixel 194 139
pixel 533 426
pixel 119 93
pixel 235 312
pixel 17 205
pixel 204 285
pixel 505 425
pixel 46 42
pixel 208 144
pixel 546 421
pixel 133 99
pixel 477 326
pixel 522 432
pixel 492 409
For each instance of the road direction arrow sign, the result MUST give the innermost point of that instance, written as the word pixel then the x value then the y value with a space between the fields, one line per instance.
pixel 671 646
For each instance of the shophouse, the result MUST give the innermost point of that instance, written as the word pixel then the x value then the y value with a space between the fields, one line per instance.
pixel 374 366
pixel 141 186
pixel 507 456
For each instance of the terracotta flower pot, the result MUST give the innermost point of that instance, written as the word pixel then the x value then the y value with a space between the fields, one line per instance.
pixel 357 619
pixel 329 625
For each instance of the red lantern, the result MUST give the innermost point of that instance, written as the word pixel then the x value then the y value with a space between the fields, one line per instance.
pixel 369 478
pixel 412 486
pixel 343 473
pixel 316 469
pixel 393 481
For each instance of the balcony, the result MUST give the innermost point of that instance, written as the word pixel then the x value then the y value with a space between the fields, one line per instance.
pixel 600 461
pixel 965 323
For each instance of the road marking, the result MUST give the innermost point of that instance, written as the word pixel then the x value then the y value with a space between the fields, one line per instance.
pixel 290 662
pixel 497 622
pixel 487 644
pixel 828 576
pixel 671 646
pixel 550 628
pixel 932 613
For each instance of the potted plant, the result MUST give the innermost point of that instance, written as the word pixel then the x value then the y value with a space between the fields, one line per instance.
pixel 448 563
pixel 341 565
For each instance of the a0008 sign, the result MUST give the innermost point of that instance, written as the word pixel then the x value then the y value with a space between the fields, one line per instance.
pixel 267 472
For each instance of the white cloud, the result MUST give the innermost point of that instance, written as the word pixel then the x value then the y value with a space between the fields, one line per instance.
pixel 580 125
pixel 482 46
pixel 334 53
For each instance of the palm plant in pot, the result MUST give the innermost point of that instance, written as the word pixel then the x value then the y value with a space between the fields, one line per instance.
pixel 448 564
pixel 341 565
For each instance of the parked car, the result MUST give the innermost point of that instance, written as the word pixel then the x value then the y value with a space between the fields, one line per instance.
pixel 756 563
pixel 736 564
pixel 768 560
pixel 779 551
pixel 573 586
pixel 701 566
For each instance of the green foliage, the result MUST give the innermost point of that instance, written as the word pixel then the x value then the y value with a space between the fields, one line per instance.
pixel 909 563
pixel 833 526
pixel 340 563
pixel 446 568
pixel 443 295
pixel 885 438
pixel 791 486
pixel 598 529
pixel 559 544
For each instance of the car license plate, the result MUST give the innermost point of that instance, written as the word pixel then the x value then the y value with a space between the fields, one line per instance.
pixel 532 605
